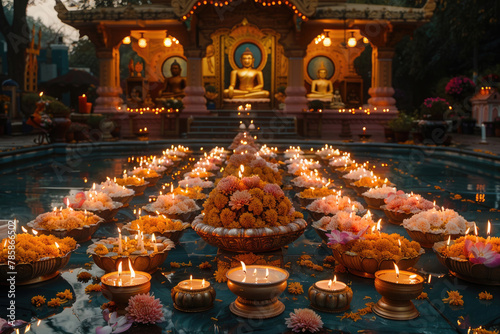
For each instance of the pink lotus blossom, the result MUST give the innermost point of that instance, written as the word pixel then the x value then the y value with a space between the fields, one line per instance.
pixel 239 199
pixel 115 324
pixel 304 320
pixel 274 190
pixel 144 308
pixel 481 253
pixel 228 184
pixel 343 237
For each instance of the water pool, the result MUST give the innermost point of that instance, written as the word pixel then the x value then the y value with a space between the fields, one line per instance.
pixel 465 184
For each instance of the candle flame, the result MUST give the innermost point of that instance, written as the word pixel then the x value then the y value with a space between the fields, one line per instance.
pixel 38 322
pixel 397 270
pixel 475 229
pixel 57 245
pixel 132 272
pixel 244 267
pixel 334 279
pixel 120 268
pixel 267 272
pixel 172 188
pixel 399 242
pixel 34 232
pixel 24 230
pixel 449 240
pixel 203 283
pixel 119 231
pixel 27 328
pixel 330 284
pixel 467 230
pixel 191 278
pixel 153 238
pixel 489 228
pixel 429 279
pixel 378 224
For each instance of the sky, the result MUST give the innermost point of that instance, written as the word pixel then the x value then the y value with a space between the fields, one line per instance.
pixel 44 9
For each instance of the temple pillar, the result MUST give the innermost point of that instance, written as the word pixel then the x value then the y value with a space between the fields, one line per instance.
pixel 295 101
pixel 109 89
pixel 194 100
pixel 381 90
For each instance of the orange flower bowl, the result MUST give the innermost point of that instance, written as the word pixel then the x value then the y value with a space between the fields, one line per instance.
pixel 123 199
pixel 466 270
pixel 174 235
pixel 396 217
pixel 107 214
pixel 367 267
pixel 427 240
pixel 80 234
pixel 35 272
pixel 139 190
pixel 255 240
pixel 374 203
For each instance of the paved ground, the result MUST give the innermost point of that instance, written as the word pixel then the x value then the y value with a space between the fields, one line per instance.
pixel 468 142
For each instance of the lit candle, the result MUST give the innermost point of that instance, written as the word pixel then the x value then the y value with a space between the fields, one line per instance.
pixel 82 104
pixel 331 285
pixel 153 240
pixel 488 232
pixel 120 250
pixel 364 130
pixel 260 274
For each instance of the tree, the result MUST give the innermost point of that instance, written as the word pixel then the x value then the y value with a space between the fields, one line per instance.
pixel 83 54
pixel 17 37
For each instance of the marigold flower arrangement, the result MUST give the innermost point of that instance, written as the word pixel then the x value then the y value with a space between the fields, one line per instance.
pixel 358 173
pixel 347 221
pixel 316 192
pixel 67 219
pixel 380 246
pixel 113 189
pixel 243 138
pixel 381 192
pixel 191 192
pixel 437 222
pixel 344 160
pixel 143 172
pixel 156 224
pixel 30 248
pixel 130 181
pixel 407 203
pixel 266 171
pixel 110 247
pixel 332 204
pixel 190 182
pixel 309 180
pixel 476 250
pixel 328 152
pixel 371 182
pixel 91 200
pixel 245 148
pixel 248 203
pixel 173 204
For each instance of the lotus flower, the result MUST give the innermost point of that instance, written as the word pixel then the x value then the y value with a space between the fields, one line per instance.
pixel 5 325
pixel 481 253
pixel 343 237
pixel 115 325
pixel 304 320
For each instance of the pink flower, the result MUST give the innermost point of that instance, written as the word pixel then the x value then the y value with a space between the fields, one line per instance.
pixel 273 189
pixel 304 320
pixel 343 237
pixel 239 199
pixel 144 308
pixel 480 253
pixel 115 325
pixel 251 182
pixel 228 184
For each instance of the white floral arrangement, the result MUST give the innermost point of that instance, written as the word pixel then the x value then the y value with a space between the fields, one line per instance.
pixel 267 152
pixel 293 151
pixel 173 204
pixel 143 172
pixel 245 148
pixel 380 193
pixel 342 161
pixel 332 204
pixel 357 174
pixel 164 161
pixel 309 180
pixel 113 189
pixel 190 182
pixel 408 203
pixel 260 162
pixel 91 200
pixel 206 164
pixel 157 167
pixel 327 152
pixel 438 221
pixel 303 165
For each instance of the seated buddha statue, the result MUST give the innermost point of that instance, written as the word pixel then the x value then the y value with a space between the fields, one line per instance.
pixel 174 85
pixel 321 88
pixel 246 82
pixel 337 100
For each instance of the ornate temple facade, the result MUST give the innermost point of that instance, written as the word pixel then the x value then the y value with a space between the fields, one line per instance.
pixel 289 40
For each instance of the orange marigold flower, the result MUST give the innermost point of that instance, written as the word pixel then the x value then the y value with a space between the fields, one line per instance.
pixel 485 295
pixel 295 288
pixel 38 300
pixel 54 302
pixel 454 298
pixel 423 295
pixel 66 294
pixel 247 220
pixel 205 265
pixel 220 275
pixel 93 288
pixel 84 276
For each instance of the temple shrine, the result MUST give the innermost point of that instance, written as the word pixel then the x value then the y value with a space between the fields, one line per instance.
pixel 272 55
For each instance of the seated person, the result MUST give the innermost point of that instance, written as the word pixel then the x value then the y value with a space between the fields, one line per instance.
pixel 174 85
pixel 321 88
pixel 337 100
pixel 246 82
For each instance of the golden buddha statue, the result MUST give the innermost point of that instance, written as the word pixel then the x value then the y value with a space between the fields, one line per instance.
pixel 246 82
pixel 321 88
pixel 174 85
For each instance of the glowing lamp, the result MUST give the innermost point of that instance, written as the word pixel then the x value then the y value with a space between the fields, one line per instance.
pixel 126 40
pixel 142 42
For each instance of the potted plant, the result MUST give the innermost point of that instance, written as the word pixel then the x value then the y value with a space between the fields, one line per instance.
pixel 433 127
pixel 458 88
pixel 401 127
pixel 60 119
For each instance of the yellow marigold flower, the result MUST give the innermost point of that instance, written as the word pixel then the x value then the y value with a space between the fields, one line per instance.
pixel 454 298
pixel 205 265
pixel 255 206
pixel 296 288
pixel 329 259
pixel 247 220
pixel 423 295
pixel 66 294
pixel 271 216
pixel 93 288
pixel 100 249
pixel 220 201
pixel 485 295
pixel 175 265
pixel 38 300
pixel 111 306
pixel 54 302
pixel 84 276
pixel 269 201
pixel 227 217
pixel 220 275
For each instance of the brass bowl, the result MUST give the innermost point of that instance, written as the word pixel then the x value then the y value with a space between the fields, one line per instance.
pixel 303 201
pixel 123 199
pixel 139 190
pixel 466 270
pixel 173 235
pixel 249 240
pixel 367 267
pixel 80 234
pixel 152 180
pixel 427 240
pixel 359 189
pixel 121 294
pixel 374 203
pixel 318 227
pixel 107 214
pixel 35 272
pixel 328 300
pixel 197 300
pixel 396 217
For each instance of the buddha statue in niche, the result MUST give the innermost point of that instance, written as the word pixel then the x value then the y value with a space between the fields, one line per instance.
pixel 174 85
pixel 321 88
pixel 246 82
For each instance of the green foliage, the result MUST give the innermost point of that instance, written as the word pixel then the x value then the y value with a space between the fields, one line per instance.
pixel 57 109
pixel 403 122
pixel 83 54
pixel 94 121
